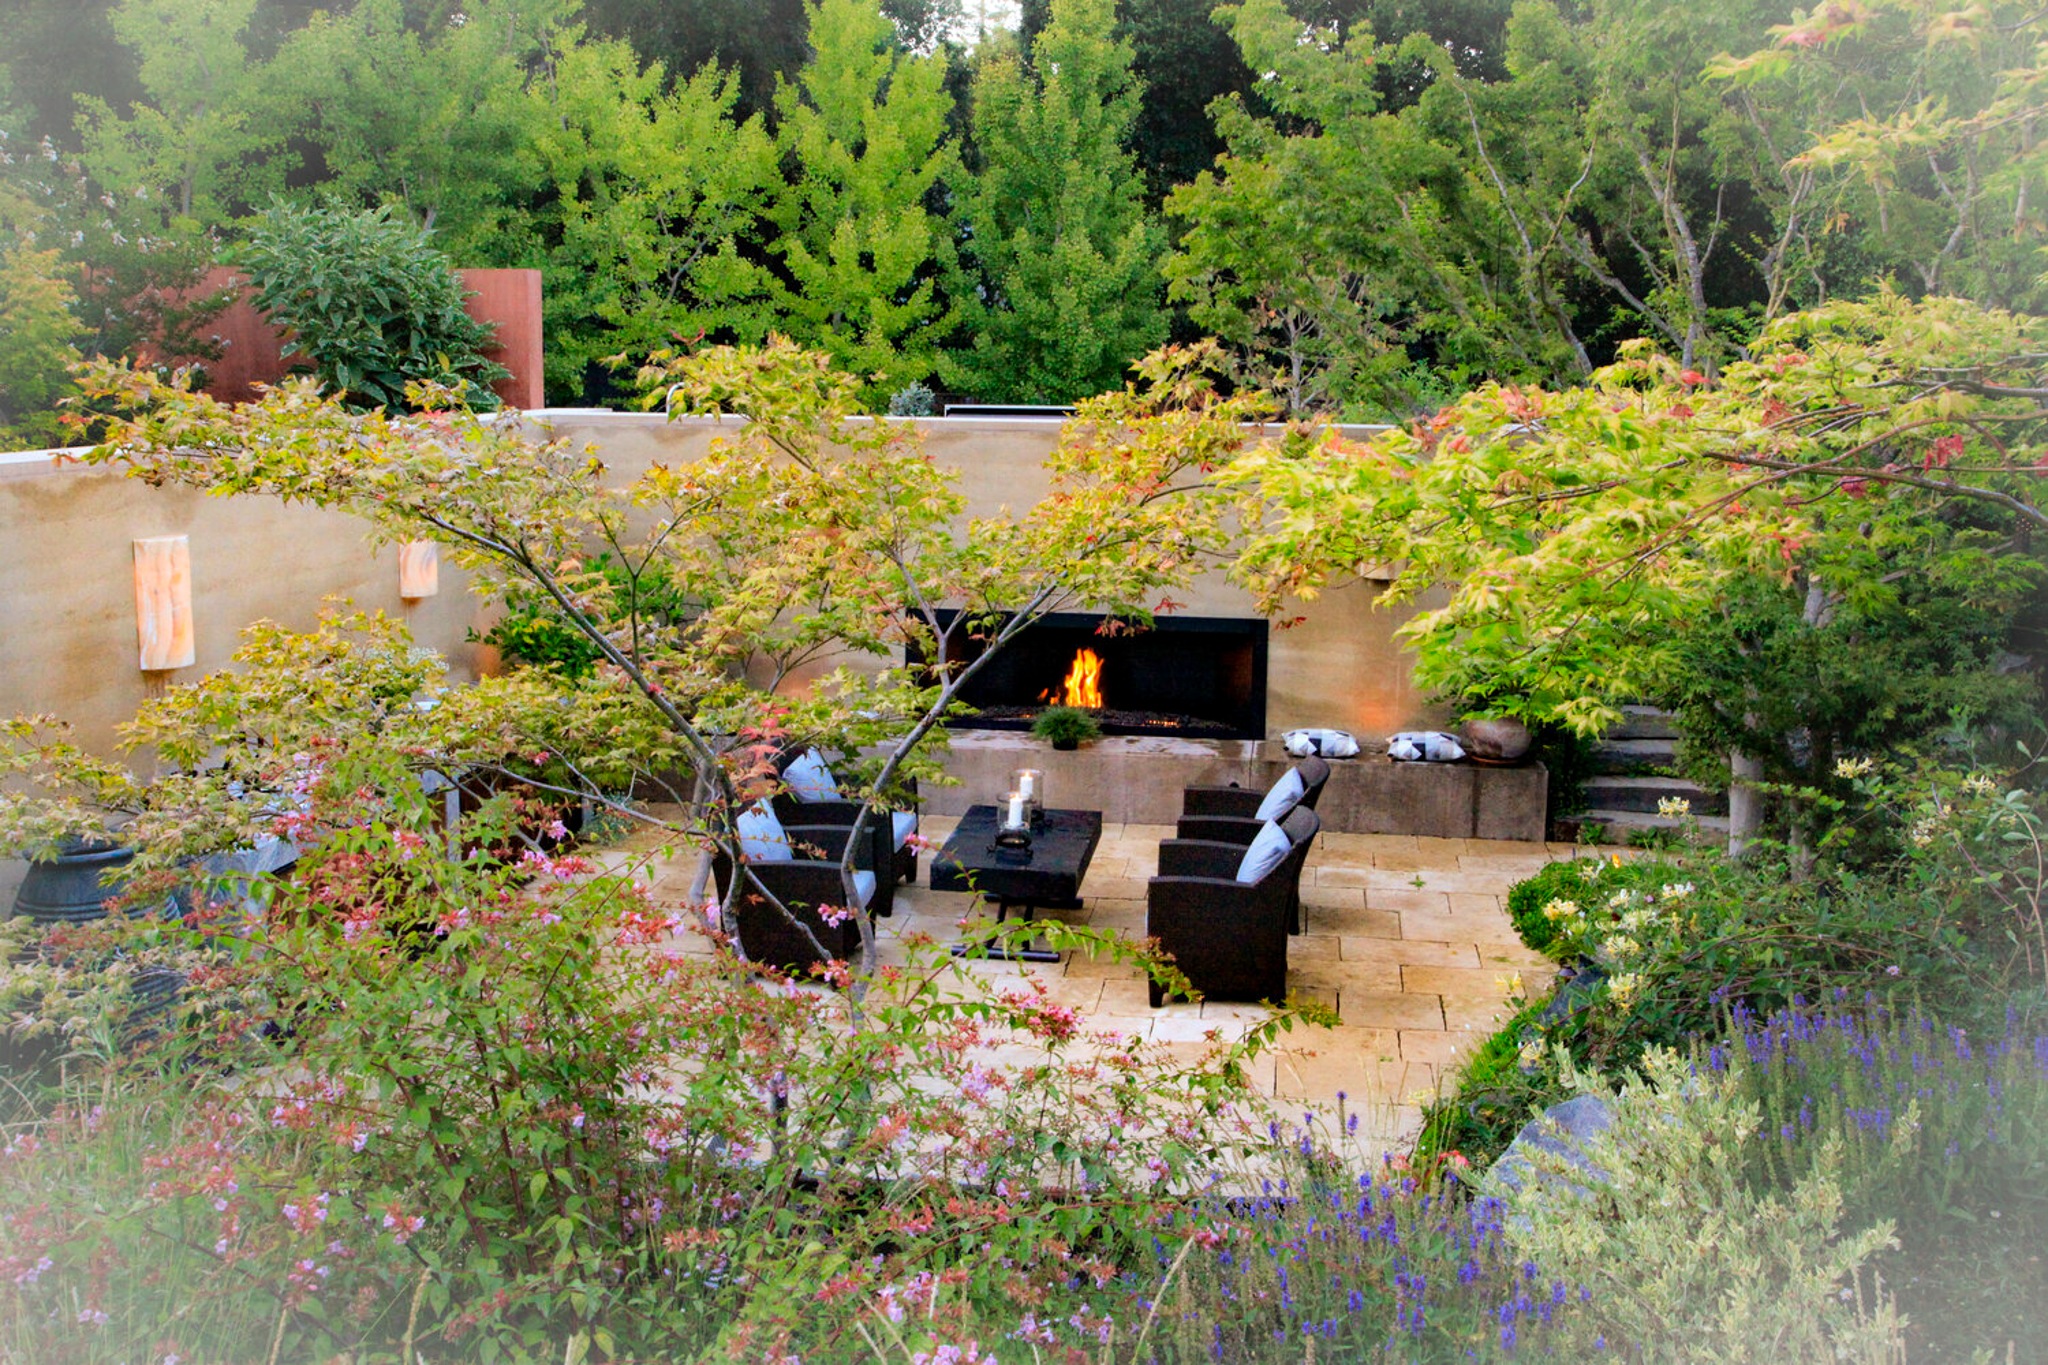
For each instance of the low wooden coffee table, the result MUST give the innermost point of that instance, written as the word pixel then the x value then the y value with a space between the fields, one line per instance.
pixel 1048 875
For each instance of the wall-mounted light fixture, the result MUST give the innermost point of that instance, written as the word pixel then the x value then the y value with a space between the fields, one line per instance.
pixel 419 569
pixel 163 603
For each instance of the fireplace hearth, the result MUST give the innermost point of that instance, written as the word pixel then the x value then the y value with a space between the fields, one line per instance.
pixel 1192 677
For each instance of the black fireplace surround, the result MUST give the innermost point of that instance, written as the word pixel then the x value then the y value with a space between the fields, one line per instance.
pixel 1194 676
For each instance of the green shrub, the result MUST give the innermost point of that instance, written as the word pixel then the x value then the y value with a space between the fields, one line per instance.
pixel 912 400
pixel 37 330
pixel 1684 1260
pixel 1554 881
pixel 534 633
pixel 1499 1088
pixel 369 305
pixel 1673 945
pixel 1065 725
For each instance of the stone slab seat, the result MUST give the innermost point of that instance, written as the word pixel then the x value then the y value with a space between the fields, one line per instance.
pixel 802 885
pixel 1229 938
pixel 1229 814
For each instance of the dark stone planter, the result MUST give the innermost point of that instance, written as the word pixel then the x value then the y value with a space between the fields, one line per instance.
pixel 1496 741
pixel 68 888
pixel 1066 746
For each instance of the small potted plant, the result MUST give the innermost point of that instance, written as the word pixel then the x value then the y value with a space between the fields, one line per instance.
pixel 1066 726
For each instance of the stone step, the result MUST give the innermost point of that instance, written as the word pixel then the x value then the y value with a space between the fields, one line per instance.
pixel 1613 755
pixel 1620 822
pixel 1644 722
pixel 1643 793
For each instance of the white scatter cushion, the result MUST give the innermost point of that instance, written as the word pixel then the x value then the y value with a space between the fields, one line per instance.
pixel 809 778
pixel 761 837
pixel 1327 743
pixel 864 887
pixel 1283 795
pixel 902 824
pixel 1426 746
pixel 1268 847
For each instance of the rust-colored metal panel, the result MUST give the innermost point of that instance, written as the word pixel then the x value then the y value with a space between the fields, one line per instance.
pixel 510 301
pixel 507 299
pixel 252 351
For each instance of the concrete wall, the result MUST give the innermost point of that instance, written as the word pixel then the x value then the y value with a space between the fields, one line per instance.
pixel 67 611
pixel 1341 667
pixel 67 596
pixel 67 585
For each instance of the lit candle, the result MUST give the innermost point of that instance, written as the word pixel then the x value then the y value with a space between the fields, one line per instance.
pixel 1016 810
pixel 1027 784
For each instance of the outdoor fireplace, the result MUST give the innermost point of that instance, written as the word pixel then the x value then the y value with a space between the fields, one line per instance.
pixel 1190 676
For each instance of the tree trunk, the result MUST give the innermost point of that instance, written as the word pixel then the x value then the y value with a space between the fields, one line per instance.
pixel 1745 802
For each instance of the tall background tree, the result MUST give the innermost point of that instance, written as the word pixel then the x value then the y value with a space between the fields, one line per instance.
pixel 1057 218
pixel 864 244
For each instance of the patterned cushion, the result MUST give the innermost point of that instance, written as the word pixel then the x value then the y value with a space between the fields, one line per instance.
pixel 1266 852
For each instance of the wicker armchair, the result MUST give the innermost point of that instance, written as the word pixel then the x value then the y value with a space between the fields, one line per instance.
pixel 1228 938
pixel 802 884
pixel 1229 814
pixel 890 829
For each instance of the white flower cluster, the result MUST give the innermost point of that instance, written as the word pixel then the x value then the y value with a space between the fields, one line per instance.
pixel 1673 807
pixel 1618 948
pixel 1850 768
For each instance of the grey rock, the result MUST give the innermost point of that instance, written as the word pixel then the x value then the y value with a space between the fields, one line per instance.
pixel 1564 1132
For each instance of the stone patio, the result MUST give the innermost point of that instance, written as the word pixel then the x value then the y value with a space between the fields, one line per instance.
pixel 1405 938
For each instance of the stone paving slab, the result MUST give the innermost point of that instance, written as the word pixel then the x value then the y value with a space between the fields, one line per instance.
pixel 1418 975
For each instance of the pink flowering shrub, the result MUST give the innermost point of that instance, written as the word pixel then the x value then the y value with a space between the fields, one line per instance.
pixel 497 1106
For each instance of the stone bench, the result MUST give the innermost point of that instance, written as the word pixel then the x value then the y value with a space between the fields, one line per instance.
pixel 1138 780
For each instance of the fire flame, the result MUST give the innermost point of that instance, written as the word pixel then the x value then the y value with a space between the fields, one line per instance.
pixel 1083 683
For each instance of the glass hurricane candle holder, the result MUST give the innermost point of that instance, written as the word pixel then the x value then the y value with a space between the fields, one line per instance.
pixel 1013 821
pixel 1029 783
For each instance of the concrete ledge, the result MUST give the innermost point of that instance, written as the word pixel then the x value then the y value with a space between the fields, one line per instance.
pixel 1138 780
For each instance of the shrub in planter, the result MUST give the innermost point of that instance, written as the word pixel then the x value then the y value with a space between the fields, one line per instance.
pixel 368 304
pixel 1065 727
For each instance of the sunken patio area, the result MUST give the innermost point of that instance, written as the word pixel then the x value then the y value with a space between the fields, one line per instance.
pixel 1405 937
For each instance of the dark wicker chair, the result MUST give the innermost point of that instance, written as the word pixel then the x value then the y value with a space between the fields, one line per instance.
pixel 891 851
pixel 1227 938
pixel 1229 814
pixel 802 884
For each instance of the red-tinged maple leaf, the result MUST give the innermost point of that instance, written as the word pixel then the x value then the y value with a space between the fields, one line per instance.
pixel 1678 410
pixel 1943 450
pixel 1691 377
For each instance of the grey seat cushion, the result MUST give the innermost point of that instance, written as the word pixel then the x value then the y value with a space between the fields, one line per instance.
pixel 1265 852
